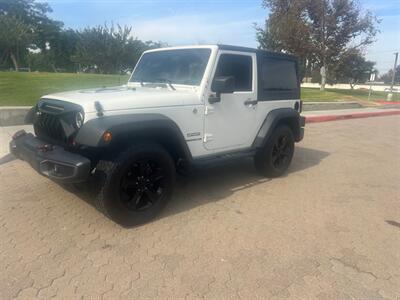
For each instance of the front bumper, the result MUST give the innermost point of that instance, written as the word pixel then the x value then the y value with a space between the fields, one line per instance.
pixel 50 160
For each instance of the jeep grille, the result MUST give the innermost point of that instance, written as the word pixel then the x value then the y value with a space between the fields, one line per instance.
pixel 48 126
pixel 54 121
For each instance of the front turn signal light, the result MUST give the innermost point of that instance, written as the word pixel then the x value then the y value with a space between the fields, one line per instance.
pixel 107 136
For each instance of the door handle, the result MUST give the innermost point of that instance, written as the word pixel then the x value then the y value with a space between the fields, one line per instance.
pixel 250 102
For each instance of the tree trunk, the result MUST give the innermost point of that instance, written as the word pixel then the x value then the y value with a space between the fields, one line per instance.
pixel 3 57
pixel 323 78
pixel 15 62
pixel 323 68
pixel 54 68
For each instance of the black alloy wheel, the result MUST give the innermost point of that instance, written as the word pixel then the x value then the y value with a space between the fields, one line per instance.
pixel 142 185
pixel 281 152
pixel 275 157
pixel 136 185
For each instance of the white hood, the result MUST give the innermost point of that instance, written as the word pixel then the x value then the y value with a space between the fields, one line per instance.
pixel 124 98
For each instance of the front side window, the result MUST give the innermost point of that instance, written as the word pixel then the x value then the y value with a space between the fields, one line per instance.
pixel 238 66
pixel 181 66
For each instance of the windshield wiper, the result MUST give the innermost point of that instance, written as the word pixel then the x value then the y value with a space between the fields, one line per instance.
pixel 167 81
pixel 140 80
pixel 156 80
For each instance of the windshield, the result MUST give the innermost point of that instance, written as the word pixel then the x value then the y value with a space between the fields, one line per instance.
pixel 183 66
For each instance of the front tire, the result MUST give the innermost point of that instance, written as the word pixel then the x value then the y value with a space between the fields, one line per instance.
pixel 275 157
pixel 136 185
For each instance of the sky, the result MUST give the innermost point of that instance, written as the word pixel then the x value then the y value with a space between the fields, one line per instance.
pixel 183 22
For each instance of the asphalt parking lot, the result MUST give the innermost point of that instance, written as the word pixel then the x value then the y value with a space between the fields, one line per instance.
pixel 330 229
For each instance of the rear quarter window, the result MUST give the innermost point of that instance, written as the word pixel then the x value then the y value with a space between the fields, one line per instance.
pixel 278 79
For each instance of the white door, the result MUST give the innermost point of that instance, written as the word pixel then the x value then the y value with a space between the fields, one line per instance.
pixel 231 123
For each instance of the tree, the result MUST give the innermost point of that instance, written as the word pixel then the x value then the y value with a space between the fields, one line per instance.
pixel 57 54
pixel 43 30
pixel 15 37
pixel 60 50
pixel 102 47
pixel 353 68
pixel 319 32
pixel 24 25
pixel 285 31
pixel 34 15
pixel 109 49
pixel 387 77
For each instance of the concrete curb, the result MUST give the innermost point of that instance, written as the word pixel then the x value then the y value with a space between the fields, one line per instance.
pixel 345 116
pixel 13 115
pixel 314 106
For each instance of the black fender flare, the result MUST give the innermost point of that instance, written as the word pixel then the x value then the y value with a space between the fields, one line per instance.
pixel 288 116
pixel 149 126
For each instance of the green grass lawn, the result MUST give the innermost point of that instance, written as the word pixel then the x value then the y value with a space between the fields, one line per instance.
pixel 26 88
pixel 314 94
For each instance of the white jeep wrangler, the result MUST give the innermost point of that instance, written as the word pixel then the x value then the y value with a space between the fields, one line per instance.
pixel 182 106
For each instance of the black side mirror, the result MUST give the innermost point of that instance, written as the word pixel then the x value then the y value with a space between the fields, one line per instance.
pixel 222 85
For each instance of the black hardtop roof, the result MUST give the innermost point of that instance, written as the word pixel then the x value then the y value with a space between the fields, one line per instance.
pixel 258 51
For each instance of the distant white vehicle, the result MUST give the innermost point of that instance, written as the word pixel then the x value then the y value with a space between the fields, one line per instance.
pixel 182 106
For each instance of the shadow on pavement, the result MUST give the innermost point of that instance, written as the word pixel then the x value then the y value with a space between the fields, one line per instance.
pixel 219 182
pixel 7 158
pixel 215 183
pixel 393 223
pixel 305 158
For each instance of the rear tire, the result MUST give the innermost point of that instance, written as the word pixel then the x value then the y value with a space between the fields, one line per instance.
pixel 136 185
pixel 275 157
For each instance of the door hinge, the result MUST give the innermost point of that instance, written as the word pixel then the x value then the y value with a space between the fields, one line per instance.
pixel 209 110
pixel 208 137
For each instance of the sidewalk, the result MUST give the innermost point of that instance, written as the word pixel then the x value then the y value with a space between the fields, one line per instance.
pixel 6 134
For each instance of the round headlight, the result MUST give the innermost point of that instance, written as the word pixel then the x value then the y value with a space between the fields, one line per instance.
pixel 79 119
